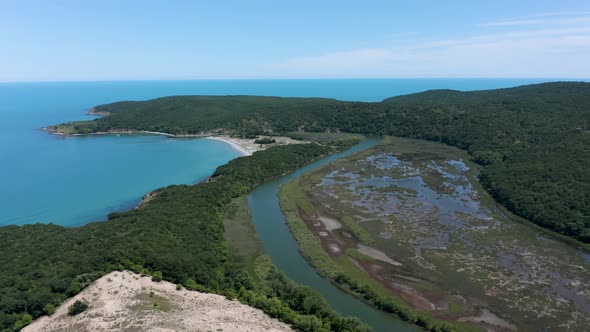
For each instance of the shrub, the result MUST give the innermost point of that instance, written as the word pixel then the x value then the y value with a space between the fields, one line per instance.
pixel 49 309
pixel 77 308
pixel 265 140
pixel 157 276
pixel 25 320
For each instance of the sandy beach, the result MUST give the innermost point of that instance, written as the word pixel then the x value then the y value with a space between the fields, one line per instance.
pixel 235 143
pixel 125 301
pixel 247 147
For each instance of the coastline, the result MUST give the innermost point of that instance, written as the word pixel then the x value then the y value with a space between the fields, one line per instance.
pixel 246 147
pixel 122 132
pixel 234 143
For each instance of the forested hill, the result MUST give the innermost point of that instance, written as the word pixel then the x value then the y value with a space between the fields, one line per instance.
pixel 534 140
pixel 542 91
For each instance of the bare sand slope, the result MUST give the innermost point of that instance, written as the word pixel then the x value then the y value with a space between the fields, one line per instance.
pixel 124 301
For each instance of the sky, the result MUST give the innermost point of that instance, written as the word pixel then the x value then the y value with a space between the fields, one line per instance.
pixel 82 40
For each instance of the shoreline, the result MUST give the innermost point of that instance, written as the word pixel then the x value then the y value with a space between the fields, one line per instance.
pixel 246 147
pixel 122 132
pixel 233 143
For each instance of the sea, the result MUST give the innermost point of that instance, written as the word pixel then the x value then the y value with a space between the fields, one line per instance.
pixel 72 181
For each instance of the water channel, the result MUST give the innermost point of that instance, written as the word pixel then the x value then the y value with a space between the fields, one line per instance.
pixel 282 248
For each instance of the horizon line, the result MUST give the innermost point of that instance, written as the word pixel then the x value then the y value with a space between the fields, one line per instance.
pixel 553 79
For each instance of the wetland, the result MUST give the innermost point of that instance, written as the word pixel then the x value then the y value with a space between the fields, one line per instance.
pixel 409 219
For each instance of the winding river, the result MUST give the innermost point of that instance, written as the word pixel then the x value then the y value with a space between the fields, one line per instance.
pixel 282 248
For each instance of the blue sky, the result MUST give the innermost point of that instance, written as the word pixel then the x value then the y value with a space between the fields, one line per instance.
pixel 135 40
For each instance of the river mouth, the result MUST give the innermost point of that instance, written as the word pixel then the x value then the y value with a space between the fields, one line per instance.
pixel 458 256
pixel 282 248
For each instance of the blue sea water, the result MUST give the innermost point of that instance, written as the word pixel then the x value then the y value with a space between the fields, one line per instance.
pixel 75 180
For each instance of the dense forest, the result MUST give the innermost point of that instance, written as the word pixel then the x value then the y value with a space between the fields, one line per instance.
pixel 533 141
pixel 177 236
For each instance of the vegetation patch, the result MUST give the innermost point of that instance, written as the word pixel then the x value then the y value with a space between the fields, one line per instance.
pixel 77 308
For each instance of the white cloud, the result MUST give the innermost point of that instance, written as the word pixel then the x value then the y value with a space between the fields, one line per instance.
pixel 551 21
pixel 562 51
pixel 557 18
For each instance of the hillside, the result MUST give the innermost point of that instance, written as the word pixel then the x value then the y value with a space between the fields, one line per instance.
pixel 153 306
pixel 533 140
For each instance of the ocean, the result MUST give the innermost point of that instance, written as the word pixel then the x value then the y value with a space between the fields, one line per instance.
pixel 71 181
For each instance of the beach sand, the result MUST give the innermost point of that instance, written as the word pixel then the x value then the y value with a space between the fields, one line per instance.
pixel 247 146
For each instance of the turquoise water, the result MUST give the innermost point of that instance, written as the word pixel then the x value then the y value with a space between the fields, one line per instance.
pixel 72 181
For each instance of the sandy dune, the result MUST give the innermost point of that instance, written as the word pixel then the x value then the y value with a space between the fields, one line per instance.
pixel 124 301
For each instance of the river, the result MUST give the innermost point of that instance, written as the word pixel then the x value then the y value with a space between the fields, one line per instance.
pixel 282 248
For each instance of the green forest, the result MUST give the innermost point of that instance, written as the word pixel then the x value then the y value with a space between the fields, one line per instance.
pixel 177 236
pixel 533 141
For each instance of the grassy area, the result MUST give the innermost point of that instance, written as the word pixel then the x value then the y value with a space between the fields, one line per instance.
pixel 323 137
pixel 240 233
pixel 291 199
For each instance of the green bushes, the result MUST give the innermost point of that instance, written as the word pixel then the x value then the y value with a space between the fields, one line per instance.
pixel 295 304
pixel 77 308
pixel 49 309
pixel 25 320
pixel 157 276
pixel 265 140
pixel 391 305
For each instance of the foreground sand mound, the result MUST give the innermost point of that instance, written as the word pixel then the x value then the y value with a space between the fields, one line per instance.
pixel 125 301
